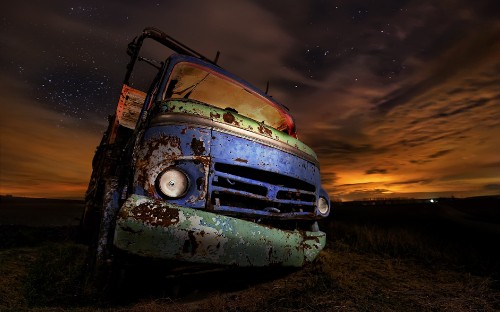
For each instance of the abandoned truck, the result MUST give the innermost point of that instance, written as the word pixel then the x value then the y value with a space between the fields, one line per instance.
pixel 202 168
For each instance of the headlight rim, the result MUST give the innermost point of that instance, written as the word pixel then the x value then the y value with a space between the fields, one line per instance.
pixel 327 211
pixel 163 193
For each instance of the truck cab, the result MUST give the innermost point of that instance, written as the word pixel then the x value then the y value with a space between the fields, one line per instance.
pixel 203 168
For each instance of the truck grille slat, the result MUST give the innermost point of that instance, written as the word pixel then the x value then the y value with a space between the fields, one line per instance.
pixel 250 188
pixel 219 190
pixel 271 178
pixel 236 182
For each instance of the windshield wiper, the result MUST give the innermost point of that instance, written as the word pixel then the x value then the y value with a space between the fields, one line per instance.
pixel 194 86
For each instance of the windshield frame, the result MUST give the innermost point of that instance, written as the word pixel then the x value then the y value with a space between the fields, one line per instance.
pixel 177 59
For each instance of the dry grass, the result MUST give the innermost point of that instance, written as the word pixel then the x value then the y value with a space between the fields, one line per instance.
pixel 340 279
pixel 13 272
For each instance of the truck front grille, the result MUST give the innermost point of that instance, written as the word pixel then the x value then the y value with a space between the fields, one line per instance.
pixel 259 191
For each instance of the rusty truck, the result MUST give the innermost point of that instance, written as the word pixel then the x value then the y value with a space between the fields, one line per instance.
pixel 202 167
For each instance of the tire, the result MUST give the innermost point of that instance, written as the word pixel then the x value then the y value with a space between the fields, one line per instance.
pixel 104 269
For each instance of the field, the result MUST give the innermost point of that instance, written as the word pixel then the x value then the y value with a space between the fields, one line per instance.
pixel 382 256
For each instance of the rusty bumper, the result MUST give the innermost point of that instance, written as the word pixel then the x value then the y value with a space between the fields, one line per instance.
pixel 158 229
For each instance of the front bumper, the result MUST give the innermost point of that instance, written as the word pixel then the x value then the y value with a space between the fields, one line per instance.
pixel 158 229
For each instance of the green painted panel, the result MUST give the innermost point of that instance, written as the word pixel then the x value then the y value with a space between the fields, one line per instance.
pixel 154 228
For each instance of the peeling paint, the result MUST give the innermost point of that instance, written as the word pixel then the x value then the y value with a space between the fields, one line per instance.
pixel 204 237
pixel 228 117
pixel 265 131
pixel 197 146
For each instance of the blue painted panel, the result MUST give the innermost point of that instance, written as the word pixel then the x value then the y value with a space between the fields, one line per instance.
pixel 181 146
pixel 230 149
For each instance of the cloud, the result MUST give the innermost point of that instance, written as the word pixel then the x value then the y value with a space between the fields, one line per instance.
pixel 42 153
pixel 492 187
pixel 477 47
pixel 440 153
pixel 448 106
pixel 395 98
pixel 376 171
pixel 418 181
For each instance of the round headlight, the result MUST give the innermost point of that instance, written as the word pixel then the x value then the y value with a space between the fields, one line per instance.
pixel 323 206
pixel 173 183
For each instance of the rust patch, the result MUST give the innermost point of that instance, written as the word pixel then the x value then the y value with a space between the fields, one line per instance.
pixel 163 140
pixel 209 204
pixel 216 115
pixel 265 131
pixel 315 238
pixel 197 146
pixel 172 141
pixel 156 215
pixel 203 160
pixel 145 159
pixel 168 108
pixel 228 117
pixel 190 245
pixel 150 188
pixel 241 160
pixel 141 175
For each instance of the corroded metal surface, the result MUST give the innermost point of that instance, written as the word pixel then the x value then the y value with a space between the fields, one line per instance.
pixel 223 117
pixel 184 147
pixel 227 172
pixel 153 228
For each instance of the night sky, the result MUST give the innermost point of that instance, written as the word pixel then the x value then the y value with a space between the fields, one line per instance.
pixel 397 98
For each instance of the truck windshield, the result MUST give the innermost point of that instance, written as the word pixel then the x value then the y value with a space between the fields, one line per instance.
pixel 192 81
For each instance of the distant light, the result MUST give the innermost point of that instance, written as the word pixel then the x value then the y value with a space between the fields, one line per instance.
pixel 432 200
